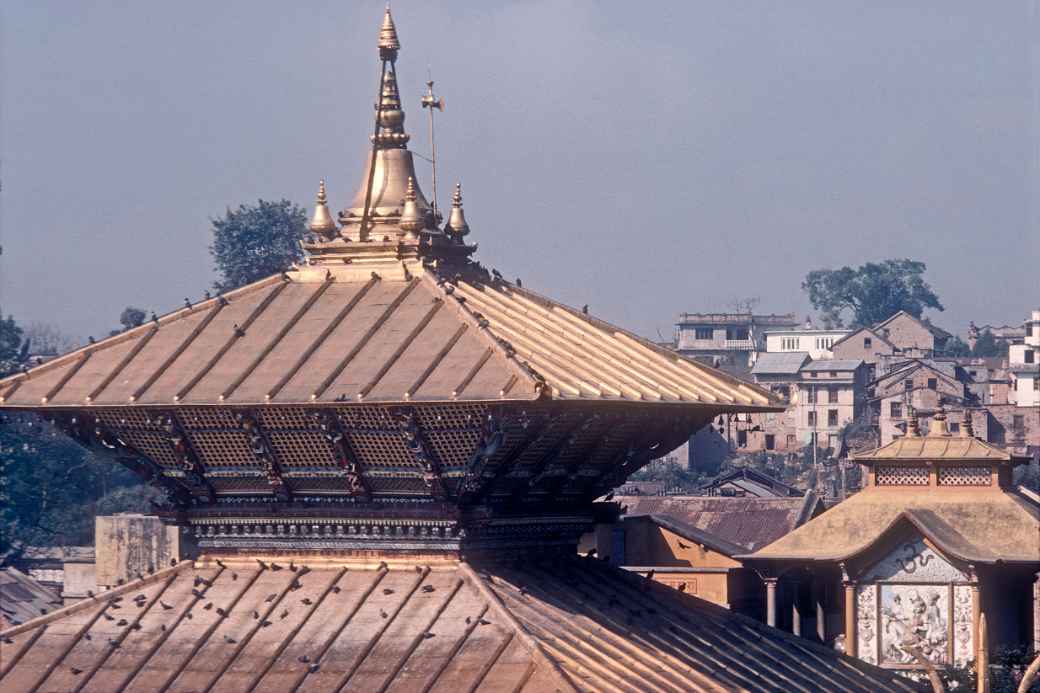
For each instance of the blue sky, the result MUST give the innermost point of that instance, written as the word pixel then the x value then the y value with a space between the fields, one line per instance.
pixel 646 159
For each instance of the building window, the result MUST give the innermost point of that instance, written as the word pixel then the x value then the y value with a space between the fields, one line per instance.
pixel 1036 384
pixel 812 419
pixel 933 384
pixel 832 441
pixel 955 428
pixel 832 417
pixel 1018 423
pixel 770 441
pixel 736 333
pixel 908 384
pixel 868 342
pixel 812 374
pixel 1029 356
pixel 741 439
pixel 895 410
pixel 702 333
pixel 791 440
pixel 834 374
pixel 810 395
pixel 832 395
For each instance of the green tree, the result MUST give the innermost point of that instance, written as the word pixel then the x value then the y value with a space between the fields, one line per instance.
pixel 14 350
pixel 255 241
pixel 986 345
pixel 955 346
pixel 870 293
pixel 131 317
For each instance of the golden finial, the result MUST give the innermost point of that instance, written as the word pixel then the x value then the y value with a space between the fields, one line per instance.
pixel 411 216
pixel 457 226
pixel 912 428
pixel 967 427
pixel 321 222
pixel 388 42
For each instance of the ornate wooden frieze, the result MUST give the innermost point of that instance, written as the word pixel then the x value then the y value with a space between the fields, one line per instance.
pixel 334 432
pixel 261 448
pixel 420 450
pixel 186 460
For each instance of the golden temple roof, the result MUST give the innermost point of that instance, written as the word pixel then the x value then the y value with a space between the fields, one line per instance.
pixel 978 527
pixel 318 335
pixel 567 624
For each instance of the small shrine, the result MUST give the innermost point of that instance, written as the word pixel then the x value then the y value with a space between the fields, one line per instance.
pixel 938 537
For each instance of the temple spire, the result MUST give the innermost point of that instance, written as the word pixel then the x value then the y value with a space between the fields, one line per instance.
pixel 412 218
pixel 389 44
pixel 322 223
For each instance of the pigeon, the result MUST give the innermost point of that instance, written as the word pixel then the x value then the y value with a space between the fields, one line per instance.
pixel 314 668
pixel 256 615
pixel 609 496
pixel 165 606
pixel 221 611
pixel 384 614
pixel 427 588
pixel 484 622
pixel 90 593
pixel 265 624
pixel 387 590
pixel 336 589
pixel 162 627
pixel 306 601
pixel 234 576
pixel 229 640
pixel 263 566
pixel 221 564
pixel 188 615
pixel 284 614
pixel 135 626
pixel 418 569
pixel 75 671
pixel 585 309
pixel 591 553
pixel 271 597
pixel 209 605
pixel 86 636
pixel 173 562
pixel 275 566
pixel 196 593
pixel 122 622
pixel 469 620
pixel 109 617
pixel 682 586
pixel 519 283
pixel 303 659
pixel 683 546
pixel 113 642
pixel 650 574
pixel 427 635
pixel 292 566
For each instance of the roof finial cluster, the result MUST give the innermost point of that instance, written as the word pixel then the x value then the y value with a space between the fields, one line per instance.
pixel 457 227
pixel 322 223
pixel 967 427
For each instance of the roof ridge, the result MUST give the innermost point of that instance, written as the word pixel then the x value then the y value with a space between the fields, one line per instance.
pixel 498 606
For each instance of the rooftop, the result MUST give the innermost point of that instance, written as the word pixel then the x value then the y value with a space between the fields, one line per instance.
pixel 22 598
pixel 779 363
pixel 567 624
pixel 786 320
pixel 833 365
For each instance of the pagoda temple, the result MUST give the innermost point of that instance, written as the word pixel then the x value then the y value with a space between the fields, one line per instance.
pixel 938 537
pixel 385 457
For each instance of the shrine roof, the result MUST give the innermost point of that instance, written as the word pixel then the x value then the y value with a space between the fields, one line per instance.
pixel 945 447
pixel 979 526
pixel 310 337
pixel 569 624
pixel 23 598
pixel 739 524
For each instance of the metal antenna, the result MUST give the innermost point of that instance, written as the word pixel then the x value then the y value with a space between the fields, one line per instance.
pixel 431 102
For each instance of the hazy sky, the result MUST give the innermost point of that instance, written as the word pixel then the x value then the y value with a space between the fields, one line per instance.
pixel 644 158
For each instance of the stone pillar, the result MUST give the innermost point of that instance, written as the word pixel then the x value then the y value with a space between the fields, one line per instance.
pixel 850 619
pixel 796 614
pixel 1036 614
pixel 771 601
pixel 976 613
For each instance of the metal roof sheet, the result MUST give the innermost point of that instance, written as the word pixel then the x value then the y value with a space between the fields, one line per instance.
pixel 565 624
pixel 291 339
pixel 779 362
pixel 833 365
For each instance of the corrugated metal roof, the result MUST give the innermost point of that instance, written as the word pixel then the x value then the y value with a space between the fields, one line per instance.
pixel 567 624
pixel 937 447
pixel 785 363
pixel 290 339
pixel 833 365
pixel 748 522
pixel 22 598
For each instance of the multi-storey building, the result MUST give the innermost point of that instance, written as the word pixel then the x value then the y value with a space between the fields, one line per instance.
pixel 727 340
pixel 1024 364
pixel 832 393
pixel 815 342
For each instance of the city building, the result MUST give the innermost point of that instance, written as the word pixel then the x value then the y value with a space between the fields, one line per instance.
pixel 1024 365
pixel 937 538
pixel 817 343
pixel 746 482
pixel 832 393
pixel 384 459
pixel 727 340
pixel 1004 335
pixel 912 336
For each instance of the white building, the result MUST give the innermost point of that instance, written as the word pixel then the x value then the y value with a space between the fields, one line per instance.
pixel 1024 365
pixel 816 343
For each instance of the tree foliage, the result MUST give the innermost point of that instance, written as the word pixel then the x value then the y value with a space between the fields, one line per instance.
pixel 870 293
pixel 955 346
pixel 14 349
pixel 255 241
pixel 986 345
pixel 132 317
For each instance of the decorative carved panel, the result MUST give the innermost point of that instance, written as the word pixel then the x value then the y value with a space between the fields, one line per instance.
pixel 902 475
pixel 914 561
pixel 866 623
pixel 964 475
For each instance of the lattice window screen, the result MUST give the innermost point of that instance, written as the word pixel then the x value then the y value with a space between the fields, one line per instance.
pixel 964 475
pixel 902 476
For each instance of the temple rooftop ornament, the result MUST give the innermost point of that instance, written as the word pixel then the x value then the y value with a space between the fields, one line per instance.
pixel 457 228
pixel 322 223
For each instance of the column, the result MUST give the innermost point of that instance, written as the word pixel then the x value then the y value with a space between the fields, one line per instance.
pixel 850 618
pixel 771 601
pixel 796 613
pixel 821 612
